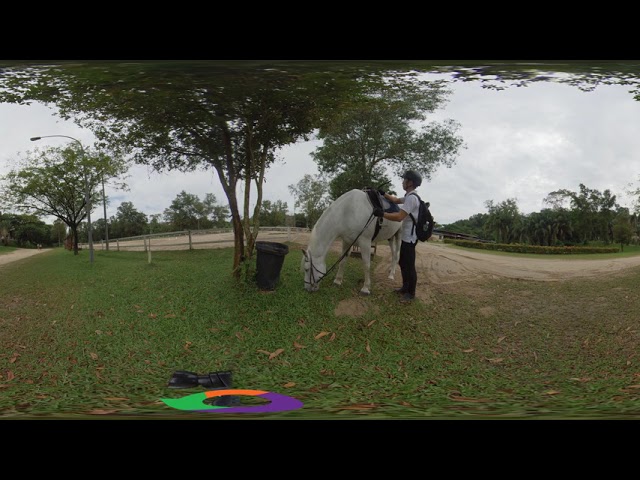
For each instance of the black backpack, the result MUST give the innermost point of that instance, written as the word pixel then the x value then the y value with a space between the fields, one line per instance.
pixel 424 225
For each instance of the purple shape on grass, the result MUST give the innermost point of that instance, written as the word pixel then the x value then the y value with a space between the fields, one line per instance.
pixel 279 403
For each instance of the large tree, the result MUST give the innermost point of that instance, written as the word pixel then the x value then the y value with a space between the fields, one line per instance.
pixel 186 212
pixel 504 220
pixel 311 195
pixel 387 129
pixel 217 214
pixel 53 182
pixel 592 212
pixel 128 221
pixel 273 213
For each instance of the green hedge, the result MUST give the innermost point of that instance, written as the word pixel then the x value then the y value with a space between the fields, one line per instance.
pixel 520 248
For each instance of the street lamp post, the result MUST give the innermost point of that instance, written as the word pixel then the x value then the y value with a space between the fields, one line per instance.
pixel 104 204
pixel 87 194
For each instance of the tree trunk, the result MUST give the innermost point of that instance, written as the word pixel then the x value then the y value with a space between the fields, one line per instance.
pixel 74 232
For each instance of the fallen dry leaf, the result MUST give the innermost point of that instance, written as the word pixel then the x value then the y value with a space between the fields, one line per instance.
pixel 333 337
pixel 187 345
pixel 468 350
pixel 328 357
pixel 301 322
pixel 552 392
pixel 501 339
pixel 633 386
pixel 137 306
pixel 152 315
pixel 98 332
pixel 368 348
pixel 101 412
pixel 276 353
pixel 239 335
pixel 115 399
pixel 214 330
pixel 264 351
pixel 94 356
pixel 371 323
pixel 170 315
pixel 298 346
pixel 320 335
pixel 14 358
pixel 495 360
pixel 289 384
pixel 10 376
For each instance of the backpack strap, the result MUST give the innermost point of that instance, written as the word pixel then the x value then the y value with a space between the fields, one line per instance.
pixel 415 222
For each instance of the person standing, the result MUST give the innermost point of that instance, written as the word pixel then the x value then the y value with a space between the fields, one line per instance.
pixel 410 207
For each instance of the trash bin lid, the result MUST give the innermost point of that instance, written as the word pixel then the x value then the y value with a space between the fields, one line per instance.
pixel 273 248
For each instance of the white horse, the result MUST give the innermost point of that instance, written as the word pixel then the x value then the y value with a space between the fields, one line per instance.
pixel 346 218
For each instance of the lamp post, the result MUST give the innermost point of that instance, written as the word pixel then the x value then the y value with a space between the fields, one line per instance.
pixel 87 195
pixel 104 204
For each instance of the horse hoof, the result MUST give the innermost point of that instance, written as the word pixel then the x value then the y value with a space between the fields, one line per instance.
pixel 391 277
pixel 336 282
pixel 364 294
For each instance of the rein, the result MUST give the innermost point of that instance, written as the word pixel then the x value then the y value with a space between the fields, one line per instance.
pixel 313 267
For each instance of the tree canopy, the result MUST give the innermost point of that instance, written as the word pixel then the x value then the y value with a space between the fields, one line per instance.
pixel 54 182
pixel 311 197
pixel 387 129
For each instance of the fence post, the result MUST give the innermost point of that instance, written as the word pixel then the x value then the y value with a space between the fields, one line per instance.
pixel 288 234
pixel 190 245
pixel 144 239
pixel 149 250
pixel 117 245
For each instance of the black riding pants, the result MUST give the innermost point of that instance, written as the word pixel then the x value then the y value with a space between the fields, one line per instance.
pixel 407 264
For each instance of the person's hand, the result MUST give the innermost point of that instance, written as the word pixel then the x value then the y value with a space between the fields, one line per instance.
pixel 378 212
pixel 381 192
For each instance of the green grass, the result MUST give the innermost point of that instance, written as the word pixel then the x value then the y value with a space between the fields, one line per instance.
pixel 77 340
pixel 4 249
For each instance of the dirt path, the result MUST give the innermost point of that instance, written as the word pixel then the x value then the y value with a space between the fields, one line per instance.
pixel 18 255
pixel 437 263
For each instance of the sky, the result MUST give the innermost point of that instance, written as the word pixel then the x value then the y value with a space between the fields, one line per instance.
pixel 521 143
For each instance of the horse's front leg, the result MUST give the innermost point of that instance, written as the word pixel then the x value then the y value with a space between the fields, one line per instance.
pixel 365 249
pixel 340 274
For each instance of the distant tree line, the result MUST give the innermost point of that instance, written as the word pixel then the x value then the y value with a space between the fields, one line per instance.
pixel 572 218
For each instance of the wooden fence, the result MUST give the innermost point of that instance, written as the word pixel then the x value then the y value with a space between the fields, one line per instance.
pixel 192 239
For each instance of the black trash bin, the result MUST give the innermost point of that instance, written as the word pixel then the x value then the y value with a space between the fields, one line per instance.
pixel 269 263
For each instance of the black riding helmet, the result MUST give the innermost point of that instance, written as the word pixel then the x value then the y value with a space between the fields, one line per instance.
pixel 414 177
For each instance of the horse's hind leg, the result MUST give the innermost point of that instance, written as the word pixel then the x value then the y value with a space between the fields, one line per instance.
pixel 340 274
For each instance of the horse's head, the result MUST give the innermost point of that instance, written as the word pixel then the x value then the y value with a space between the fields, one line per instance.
pixel 313 271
